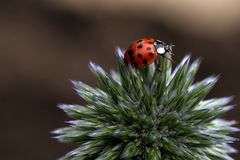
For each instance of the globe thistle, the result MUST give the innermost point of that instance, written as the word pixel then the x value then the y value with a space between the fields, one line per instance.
pixel 148 114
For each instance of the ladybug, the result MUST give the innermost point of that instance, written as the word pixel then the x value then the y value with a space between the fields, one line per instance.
pixel 145 51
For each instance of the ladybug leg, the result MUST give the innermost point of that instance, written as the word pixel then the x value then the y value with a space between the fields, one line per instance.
pixel 158 65
pixel 168 56
pixel 159 69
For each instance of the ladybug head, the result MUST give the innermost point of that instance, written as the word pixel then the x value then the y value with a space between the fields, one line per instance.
pixel 162 48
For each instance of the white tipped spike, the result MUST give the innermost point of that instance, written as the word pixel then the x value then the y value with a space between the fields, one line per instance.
pixel 120 52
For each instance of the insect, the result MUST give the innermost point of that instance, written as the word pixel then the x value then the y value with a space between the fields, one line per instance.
pixel 145 51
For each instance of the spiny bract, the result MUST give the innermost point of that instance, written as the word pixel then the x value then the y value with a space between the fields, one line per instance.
pixel 148 114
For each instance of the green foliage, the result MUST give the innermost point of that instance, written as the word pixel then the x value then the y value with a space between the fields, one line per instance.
pixel 148 114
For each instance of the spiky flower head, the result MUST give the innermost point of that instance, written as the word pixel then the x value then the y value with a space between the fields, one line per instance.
pixel 148 114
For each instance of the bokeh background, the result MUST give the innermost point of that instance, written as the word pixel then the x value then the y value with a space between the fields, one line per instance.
pixel 44 44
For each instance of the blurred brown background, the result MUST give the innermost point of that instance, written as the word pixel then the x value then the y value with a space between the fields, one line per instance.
pixel 45 43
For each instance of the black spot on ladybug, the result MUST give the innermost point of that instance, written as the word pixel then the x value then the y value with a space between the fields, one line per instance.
pixel 140 46
pixel 139 55
pixel 140 40
pixel 149 48
pixel 131 58
pixel 151 54
pixel 150 43
pixel 144 61
pixel 130 52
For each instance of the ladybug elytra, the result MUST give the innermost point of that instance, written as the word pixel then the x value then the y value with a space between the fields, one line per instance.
pixel 145 51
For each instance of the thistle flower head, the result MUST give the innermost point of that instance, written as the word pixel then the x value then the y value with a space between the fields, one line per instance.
pixel 148 114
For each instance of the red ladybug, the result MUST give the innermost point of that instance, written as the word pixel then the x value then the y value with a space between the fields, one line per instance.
pixel 145 51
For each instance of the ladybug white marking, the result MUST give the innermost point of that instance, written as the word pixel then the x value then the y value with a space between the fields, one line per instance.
pixel 161 50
